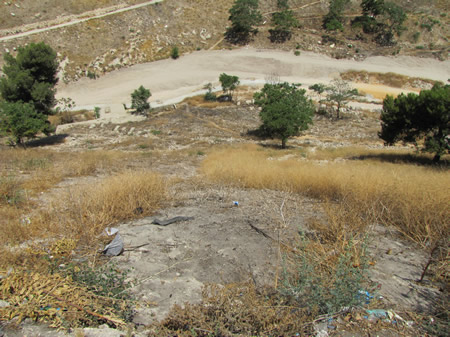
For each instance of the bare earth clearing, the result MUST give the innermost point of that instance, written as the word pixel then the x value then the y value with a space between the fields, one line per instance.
pixel 219 244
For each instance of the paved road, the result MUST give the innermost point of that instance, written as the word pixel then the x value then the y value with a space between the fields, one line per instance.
pixel 95 14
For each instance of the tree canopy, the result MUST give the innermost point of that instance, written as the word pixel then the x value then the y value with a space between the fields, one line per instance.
pixel 384 19
pixel 283 21
pixel 334 18
pixel 286 111
pixel 28 90
pixel 229 84
pixel 244 15
pixel 424 117
pixel 31 77
pixel 340 92
pixel 139 100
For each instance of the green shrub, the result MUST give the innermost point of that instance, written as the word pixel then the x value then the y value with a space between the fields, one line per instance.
pixel 297 53
pixel 139 99
pixel 325 290
pixel 107 281
pixel 97 112
pixel 175 53
pixel 209 96
pixel 91 75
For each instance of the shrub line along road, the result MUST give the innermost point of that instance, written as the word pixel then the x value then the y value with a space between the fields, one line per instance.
pixel 83 17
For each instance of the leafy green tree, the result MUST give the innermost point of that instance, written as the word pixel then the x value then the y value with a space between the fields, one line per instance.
pixel 244 15
pixel 339 93
pixel 229 84
pixel 21 120
pixel 30 78
pixel 334 18
pixel 385 19
pixel 393 18
pixel 412 118
pixel 139 100
pixel 286 111
pixel 283 21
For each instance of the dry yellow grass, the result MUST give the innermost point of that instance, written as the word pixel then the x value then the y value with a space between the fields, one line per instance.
pixel 389 79
pixel 84 211
pixel 27 173
pixel 36 170
pixel 380 91
pixel 413 198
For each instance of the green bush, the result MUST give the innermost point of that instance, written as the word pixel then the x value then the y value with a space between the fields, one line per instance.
pixel 325 290
pixel 333 24
pixel 106 281
pixel 209 96
pixel 175 53
pixel 139 100
pixel 97 112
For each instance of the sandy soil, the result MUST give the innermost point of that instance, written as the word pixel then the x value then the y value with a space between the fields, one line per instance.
pixel 170 81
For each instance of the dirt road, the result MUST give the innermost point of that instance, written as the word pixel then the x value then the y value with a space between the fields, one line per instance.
pixel 71 20
pixel 172 80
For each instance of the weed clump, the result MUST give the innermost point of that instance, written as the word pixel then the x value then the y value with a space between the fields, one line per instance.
pixel 234 310
pixel 324 286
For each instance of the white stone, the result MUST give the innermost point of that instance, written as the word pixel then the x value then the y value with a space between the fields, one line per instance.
pixel 4 304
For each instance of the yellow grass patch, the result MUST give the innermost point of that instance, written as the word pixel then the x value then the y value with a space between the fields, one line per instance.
pixel 411 197
pixel 388 79
pixel 84 211
pixel 380 91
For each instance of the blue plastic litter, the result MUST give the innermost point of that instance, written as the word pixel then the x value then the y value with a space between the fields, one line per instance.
pixel 366 296
pixel 380 313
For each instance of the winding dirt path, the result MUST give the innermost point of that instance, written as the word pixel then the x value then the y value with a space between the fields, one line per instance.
pixel 70 20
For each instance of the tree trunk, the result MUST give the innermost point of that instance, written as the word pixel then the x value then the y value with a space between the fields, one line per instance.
pixel 436 158
pixel 283 143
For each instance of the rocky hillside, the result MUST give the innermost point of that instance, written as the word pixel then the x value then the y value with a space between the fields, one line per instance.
pixel 148 33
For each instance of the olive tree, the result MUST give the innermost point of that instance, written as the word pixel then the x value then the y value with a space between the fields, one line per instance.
pixel 229 84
